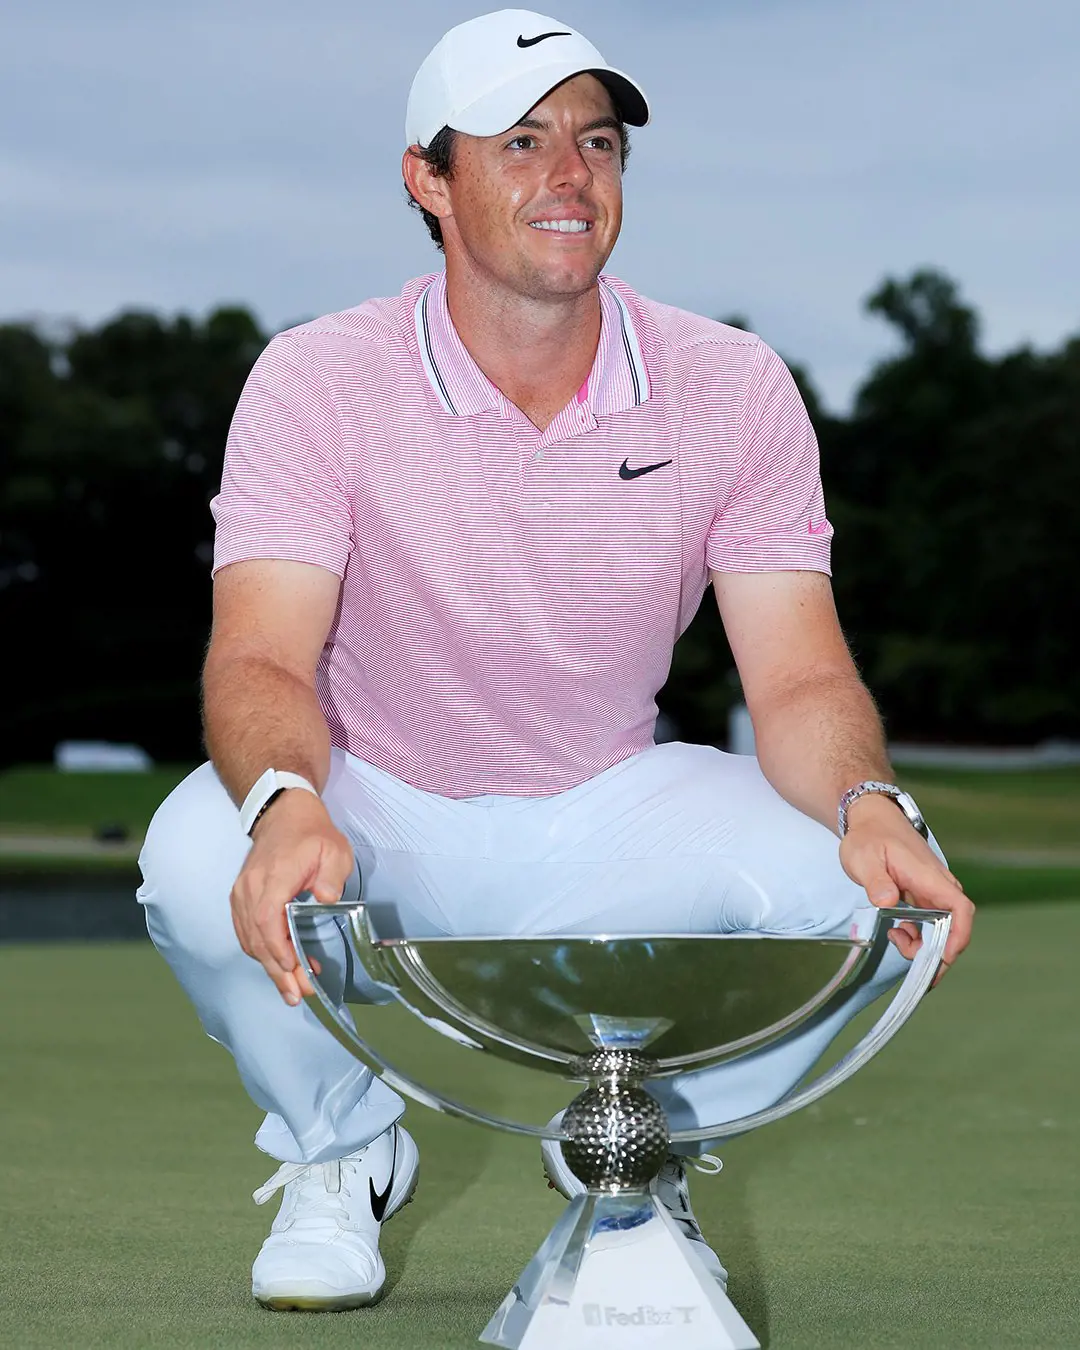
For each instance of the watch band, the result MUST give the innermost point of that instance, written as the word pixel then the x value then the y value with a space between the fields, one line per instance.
pixel 904 800
pixel 268 786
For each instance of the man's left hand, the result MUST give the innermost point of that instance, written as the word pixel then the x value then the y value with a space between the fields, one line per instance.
pixel 888 857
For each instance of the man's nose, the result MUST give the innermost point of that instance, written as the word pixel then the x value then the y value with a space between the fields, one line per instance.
pixel 570 168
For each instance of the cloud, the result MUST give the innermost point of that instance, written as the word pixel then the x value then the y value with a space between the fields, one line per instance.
pixel 799 151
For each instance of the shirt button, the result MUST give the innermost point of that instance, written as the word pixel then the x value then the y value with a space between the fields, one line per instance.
pixel 539 454
pixel 546 506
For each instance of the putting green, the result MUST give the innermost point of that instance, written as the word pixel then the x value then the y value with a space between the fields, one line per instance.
pixel 932 1202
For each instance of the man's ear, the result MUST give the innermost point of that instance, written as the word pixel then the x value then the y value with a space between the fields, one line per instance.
pixel 426 187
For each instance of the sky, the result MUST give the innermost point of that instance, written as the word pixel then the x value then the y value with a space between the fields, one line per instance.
pixel 178 157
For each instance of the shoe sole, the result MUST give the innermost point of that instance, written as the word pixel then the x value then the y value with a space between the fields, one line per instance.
pixel 343 1303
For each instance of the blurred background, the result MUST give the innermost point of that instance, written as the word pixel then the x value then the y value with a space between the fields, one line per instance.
pixel 888 194
pixel 882 192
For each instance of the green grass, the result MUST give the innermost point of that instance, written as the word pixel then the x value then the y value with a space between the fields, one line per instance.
pixel 933 1201
pixel 39 806
pixel 974 812
pixel 37 798
pixel 989 885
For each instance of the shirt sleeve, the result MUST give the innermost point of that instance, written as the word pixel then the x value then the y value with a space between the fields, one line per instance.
pixel 283 493
pixel 773 518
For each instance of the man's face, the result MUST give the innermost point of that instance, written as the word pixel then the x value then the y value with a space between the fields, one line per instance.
pixel 538 208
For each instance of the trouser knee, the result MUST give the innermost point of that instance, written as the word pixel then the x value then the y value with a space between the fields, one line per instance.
pixel 193 852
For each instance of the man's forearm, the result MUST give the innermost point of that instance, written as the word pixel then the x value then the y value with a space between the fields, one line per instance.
pixel 258 716
pixel 819 738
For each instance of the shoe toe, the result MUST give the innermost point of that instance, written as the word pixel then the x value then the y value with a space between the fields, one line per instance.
pixel 318 1274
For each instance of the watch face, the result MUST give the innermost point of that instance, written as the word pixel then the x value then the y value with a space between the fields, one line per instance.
pixel 906 802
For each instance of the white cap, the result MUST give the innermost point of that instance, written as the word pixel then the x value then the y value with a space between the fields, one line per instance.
pixel 485 75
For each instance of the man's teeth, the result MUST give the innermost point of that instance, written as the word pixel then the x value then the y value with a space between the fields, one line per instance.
pixel 562 226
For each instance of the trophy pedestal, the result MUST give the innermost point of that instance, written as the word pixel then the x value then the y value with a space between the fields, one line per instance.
pixel 616 1270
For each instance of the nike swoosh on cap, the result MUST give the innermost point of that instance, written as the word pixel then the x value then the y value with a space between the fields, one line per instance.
pixel 531 42
pixel 625 471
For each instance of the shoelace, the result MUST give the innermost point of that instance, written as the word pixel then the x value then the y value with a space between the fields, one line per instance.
pixel 714 1164
pixel 321 1185
pixel 672 1180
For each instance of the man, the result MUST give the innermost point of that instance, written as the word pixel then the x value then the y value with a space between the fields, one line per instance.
pixel 458 534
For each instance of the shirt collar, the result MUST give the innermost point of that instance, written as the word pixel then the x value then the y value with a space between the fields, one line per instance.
pixel 617 381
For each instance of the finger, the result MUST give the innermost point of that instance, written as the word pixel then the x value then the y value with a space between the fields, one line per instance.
pixel 293 985
pixel 298 986
pixel 277 944
pixel 328 884
pixel 903 940
pixel 881 889
pixel 963 919
pixel 943 970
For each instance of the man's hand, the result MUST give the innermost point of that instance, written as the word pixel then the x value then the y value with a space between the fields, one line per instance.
pixel 887 856
pixel 296 848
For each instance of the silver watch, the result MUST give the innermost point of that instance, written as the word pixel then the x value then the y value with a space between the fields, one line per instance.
pixel 904 800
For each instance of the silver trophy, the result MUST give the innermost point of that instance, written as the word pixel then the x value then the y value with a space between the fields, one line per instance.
pixel 619 1014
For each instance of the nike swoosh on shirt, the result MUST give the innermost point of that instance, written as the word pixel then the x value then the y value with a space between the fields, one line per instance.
pixel 379 1198
pixel 818 529
pixel 625 471
pixel 531 42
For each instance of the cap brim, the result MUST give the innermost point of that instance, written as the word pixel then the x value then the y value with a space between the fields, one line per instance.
pixel 507 105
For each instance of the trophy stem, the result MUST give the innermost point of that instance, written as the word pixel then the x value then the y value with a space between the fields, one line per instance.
pixel 616 1264
pixel 617 1135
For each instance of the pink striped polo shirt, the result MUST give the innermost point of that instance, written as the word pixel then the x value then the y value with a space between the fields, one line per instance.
pixel 510 597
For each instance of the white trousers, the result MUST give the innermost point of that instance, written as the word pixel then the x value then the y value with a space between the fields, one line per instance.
pixel 680 838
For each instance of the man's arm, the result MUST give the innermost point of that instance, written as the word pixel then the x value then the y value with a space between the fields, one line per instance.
pixel 260 712
pixel 818 733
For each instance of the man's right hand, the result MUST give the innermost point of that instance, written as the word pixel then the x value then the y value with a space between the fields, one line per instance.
pixel 296 847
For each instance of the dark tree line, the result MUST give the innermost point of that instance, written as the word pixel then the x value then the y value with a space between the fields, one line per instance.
pixel 954 486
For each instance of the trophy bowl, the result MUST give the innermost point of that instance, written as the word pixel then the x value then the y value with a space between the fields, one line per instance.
pixel 614 1013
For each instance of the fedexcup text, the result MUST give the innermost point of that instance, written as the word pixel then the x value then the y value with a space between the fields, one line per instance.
pixel 644 1315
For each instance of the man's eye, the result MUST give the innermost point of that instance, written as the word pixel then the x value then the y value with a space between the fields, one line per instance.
pixel 600 142
pixel 521 143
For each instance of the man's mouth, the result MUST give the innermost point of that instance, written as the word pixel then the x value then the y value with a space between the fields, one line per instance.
pixel 562 226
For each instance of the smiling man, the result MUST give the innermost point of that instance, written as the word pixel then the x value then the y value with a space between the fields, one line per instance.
pixel 458 534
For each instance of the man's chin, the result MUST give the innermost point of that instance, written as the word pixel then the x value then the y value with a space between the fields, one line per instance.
pixel 563 282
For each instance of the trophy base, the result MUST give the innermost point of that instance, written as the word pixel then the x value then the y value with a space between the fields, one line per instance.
pixel 617 1264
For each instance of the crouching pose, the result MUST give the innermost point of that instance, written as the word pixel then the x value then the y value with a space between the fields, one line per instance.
pixel 458 534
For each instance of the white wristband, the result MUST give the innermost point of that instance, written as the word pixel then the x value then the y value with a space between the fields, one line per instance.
pixel 272 782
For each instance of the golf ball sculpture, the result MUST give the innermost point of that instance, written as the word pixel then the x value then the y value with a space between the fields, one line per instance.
pixel 621 1014
pixel 616 1134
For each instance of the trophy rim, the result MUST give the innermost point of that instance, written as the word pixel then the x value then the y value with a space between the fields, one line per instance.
pixel 895 913
pixel 913 987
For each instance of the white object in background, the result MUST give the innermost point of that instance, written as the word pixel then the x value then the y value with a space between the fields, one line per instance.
pixel 100 757
pixel 740 731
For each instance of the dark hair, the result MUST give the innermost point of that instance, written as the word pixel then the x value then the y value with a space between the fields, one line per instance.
pixel 438 155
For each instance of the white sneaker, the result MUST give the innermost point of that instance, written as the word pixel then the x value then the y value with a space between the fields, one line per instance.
pixel 322 1254
pixel 671 1188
